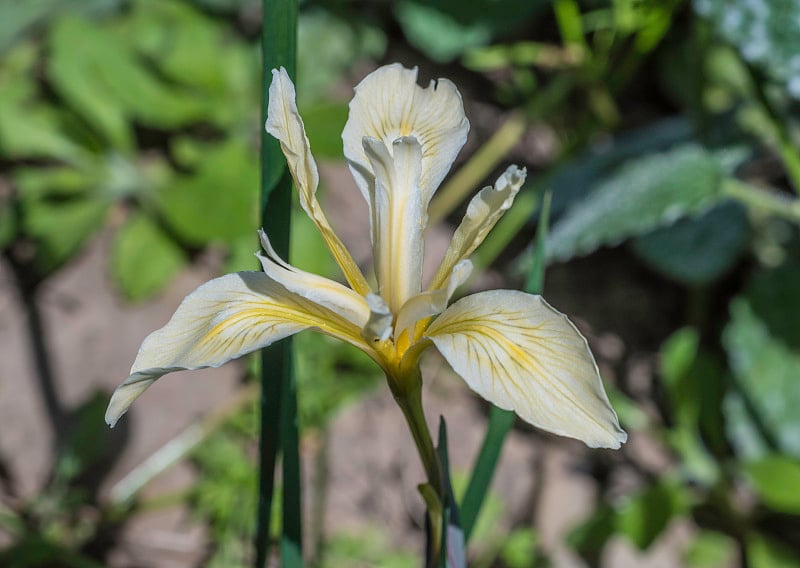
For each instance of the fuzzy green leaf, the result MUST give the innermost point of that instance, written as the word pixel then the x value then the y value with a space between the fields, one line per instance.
pixel 766 374
pixel 765 33
pixel 697 250
pixel 641 196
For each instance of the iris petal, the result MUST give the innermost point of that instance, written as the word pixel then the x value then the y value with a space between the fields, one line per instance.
pixel 221 320
pixel 399 218
pixel 482 214
pixel 519 353
pixel 285 124
pixel 388 104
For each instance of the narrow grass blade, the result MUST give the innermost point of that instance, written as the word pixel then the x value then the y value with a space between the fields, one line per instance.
pixel 534 284
pixel 278 391
pixel 501 421
pixel 453 546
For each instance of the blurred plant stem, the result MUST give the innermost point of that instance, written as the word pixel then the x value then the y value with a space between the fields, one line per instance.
pixel 770 202
pixel 787 150
pixel 28 285
pixel 466 180
pixel 407 391
pixel 179 447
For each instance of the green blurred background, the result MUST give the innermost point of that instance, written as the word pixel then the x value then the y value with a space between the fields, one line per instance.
pixel 667 134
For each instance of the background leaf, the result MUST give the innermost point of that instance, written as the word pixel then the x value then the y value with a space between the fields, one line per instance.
pixel 765 33
pixel 776 479
pixel 766 373
pixel 144 259
pixel 697 250
pixel 642 195
pixel 216 202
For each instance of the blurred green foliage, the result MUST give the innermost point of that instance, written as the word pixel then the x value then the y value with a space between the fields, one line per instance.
pixel 667 133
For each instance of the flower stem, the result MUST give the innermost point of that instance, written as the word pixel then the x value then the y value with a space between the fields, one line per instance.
pixel 407 391
pixel 410 402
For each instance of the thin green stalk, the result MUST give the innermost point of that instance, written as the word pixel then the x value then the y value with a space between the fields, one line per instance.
pixel 278 390
pixel 788 151
pixel 407 391
pixel 770 202
pixel 467 178
pixel 501 421
pixel 410 403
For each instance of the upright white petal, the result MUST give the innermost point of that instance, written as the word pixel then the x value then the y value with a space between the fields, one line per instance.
pixel 285 124
pixel 517 352
pixel 399 218
pixel 388 104
pixel 482 214
pixel 224 319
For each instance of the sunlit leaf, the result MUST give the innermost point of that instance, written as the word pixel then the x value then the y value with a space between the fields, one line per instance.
pixel 30 129
pixel 443 30
pixel 16 18
pixel 776 479
pixel 519 550
pixel 218 202
pixel 324 124
pixel 144 259
pixel 710 550
pixel 61 228
pixel 124 89
pixel 643 517
pixel 330 47
pixel 764 552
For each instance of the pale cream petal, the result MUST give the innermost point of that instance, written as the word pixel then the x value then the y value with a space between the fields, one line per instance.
pixel 431 302
pixel 320 290
pixel 389 104
pixel 482 214
pixel 399 218
pixel 285 124
pixel 519 353
pixel 224 319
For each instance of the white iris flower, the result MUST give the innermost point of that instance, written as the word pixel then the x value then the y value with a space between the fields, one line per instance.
pixel 400 140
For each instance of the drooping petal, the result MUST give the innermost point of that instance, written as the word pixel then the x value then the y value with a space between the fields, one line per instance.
pixel 482 214
pixel 399 218
pixel 519 353
pixel 320 290
pixel 224 319
pixel 285 124
pixel 388 104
